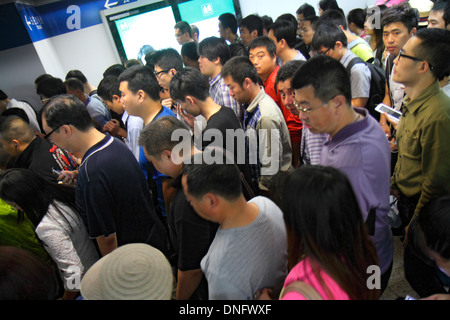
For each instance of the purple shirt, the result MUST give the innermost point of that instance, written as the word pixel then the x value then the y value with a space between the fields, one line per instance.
pixel 362 152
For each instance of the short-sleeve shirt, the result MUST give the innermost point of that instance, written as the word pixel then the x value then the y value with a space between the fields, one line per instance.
pixel 360 77
pixel 97 111
pixel 114 198
pixel 156 175
pixel 245 259
pixel 190 234
pixel 361 151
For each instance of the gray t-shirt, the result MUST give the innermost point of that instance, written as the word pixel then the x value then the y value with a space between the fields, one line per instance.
pixel 242 260
pixel 360 76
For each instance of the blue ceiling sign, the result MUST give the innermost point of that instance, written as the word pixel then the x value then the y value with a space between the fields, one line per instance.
pixel 61 17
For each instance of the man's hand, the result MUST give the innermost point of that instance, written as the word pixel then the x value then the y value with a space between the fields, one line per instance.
pixel 68 177
pixel 186 117
pixel 114 128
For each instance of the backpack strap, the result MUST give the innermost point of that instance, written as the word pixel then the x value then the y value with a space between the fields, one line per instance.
pixel 303 288
pixel 352 62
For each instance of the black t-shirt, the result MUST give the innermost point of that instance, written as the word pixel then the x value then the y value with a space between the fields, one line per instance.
pixel 190 236
pixel 226 122
pixel 41 156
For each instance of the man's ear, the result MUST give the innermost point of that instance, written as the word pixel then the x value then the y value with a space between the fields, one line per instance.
pixel 166 154
pixel 254 34
pixel 16 143
pixel 211 200
pixel 66 129
pixel 339 102
pixel 141 95
pixel 191 99
pixel 338 45
pixel 247 82
pixel 216 61
pixel 282 43
pixel 115 97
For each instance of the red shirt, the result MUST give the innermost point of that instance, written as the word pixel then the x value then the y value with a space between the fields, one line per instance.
pixel 293 122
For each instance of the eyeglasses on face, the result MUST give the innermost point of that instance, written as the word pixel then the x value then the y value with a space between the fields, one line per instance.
pixel 308 108
pixel 47 136
pixel 324 52
pixel 402 55
pixel 158 74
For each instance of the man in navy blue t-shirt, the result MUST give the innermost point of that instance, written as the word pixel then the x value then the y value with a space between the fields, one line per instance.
pixel 111 190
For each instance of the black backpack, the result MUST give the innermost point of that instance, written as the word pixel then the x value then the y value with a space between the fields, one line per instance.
pixel 377 85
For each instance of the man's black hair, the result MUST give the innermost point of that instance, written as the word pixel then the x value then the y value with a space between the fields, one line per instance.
pixel 108 87
pixel 228 20
pixel 239 68
pixel 51 87
pixel 77 74
pixel 167 59
pixel 189 82
pixel 67 109
pixel 214 47
pixel 184 27
pixel 403 13
pixel 288 70
pixel 307 10
pixel 264 42
pixel 334 16
pixel 357 16
pixel 203 177
pixel 190 50
pixel 252 22
pixel 285 30
pixel 141 78
pixel 435 49
pixel 326 75
pixel 326 35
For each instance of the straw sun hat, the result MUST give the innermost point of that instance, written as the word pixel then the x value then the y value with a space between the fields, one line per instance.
pixel 131 272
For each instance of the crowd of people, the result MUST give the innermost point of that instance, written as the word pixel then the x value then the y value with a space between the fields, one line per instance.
pixel 252 165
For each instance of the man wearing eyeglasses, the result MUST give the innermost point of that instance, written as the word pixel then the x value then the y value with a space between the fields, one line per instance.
pixel 111 190
pixel 422 170
pixel 331 41
pixel 183 32
pixel 356 145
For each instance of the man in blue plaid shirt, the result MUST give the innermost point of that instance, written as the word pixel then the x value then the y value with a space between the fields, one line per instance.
pixel 214 53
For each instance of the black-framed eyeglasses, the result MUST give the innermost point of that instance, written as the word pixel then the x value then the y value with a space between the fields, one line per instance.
pixel 47 136
pixel 402 55
pixel 325 52
pixel 158 74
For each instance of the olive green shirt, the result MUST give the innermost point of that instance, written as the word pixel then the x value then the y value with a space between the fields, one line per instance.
pixel 423 139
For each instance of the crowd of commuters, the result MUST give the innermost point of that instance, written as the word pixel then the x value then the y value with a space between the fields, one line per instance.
pixel 252 165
